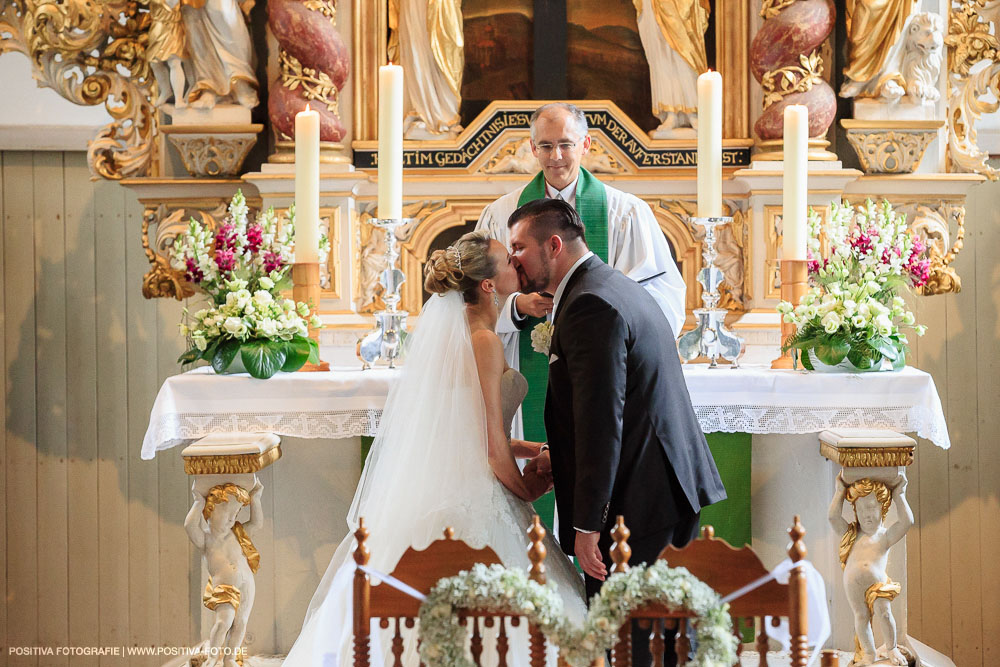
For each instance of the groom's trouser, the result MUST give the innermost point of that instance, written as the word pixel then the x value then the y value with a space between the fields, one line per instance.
pixel 645 550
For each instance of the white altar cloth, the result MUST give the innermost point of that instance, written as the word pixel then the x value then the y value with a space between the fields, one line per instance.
pixel 345 403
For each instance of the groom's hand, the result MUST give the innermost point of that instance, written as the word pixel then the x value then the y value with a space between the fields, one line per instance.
pixel 533 305
pixel 589 556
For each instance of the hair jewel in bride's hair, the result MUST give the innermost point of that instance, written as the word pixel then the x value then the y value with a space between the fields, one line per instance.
pixel 458 256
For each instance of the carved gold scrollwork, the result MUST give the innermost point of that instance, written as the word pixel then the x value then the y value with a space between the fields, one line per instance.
pixel 162 280
pixel 316 86
pixel 771 8
pixel 890 152
pixel 791 79
pixel 933 223
pixel 324 7
pixel 92 53
pixel 971 40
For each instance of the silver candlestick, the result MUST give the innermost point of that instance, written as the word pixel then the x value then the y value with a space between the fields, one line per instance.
pixel 711 338
pixel 386 339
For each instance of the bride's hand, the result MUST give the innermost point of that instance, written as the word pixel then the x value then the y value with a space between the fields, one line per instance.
pixel 538 484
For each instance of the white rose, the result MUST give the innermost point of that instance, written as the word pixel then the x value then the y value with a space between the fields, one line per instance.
pixel 858 322
pixel 831 322
pixel 268 327
pixel 262 298
pixel 233 325
pixel 898 301
pixel 850 306
pixel 883 324
pixel 199 340
pixel 908 318
pixel 266 282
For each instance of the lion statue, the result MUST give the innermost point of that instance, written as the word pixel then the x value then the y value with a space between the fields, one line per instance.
pixel 912 67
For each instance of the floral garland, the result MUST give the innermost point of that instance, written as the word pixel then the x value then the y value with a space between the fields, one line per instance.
pixel 496 589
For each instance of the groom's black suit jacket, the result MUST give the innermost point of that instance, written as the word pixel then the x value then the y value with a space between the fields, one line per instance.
pixel 622 434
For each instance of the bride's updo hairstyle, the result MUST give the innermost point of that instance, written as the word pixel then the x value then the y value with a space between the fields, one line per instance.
pixel 461 267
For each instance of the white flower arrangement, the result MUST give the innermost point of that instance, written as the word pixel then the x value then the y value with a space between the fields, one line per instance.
pixel 541 337
pixel 852 310
pixel 495 588
pixel 244 267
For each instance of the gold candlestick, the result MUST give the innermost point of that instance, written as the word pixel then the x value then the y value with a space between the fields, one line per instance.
pixel 794 285
pixel 305 278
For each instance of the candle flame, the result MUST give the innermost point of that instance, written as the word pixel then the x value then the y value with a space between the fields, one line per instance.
pixel 307 108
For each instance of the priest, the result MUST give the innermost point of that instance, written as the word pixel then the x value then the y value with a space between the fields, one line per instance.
pixel 620 229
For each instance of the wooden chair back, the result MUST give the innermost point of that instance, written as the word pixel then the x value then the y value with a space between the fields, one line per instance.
pixel 726 569
pixel 422 569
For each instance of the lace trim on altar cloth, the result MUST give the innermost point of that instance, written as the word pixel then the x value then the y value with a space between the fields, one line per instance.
pixel 759 419
pixel 172 430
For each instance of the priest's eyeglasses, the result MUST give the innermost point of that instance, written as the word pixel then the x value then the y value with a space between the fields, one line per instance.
pixel 563 146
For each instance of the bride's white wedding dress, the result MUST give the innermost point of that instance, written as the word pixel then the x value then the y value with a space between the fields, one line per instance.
pixel 428 469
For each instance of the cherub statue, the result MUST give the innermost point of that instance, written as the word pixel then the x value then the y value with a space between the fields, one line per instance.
pixel 231 559
pixel 864 554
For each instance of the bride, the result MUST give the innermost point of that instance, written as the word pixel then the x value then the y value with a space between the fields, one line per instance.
pixel 443 454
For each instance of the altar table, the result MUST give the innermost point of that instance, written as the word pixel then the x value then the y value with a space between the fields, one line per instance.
pixel 344 403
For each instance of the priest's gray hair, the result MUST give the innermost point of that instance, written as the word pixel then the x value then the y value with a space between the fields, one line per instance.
pixel 579 118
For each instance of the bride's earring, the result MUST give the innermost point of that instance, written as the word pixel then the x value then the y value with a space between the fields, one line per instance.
pixel 496 301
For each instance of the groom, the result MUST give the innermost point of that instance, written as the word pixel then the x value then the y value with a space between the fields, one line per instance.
pixel 623 436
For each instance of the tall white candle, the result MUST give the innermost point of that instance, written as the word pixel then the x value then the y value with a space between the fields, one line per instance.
pixel 307 186
pixel 390 141
pixel 795 182
pixel 710 145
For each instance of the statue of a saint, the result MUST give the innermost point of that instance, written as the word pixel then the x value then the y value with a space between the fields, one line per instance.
pixel 221 53
pixel 431 51
pixel 673 37
pixel 167 50
pixel 873 28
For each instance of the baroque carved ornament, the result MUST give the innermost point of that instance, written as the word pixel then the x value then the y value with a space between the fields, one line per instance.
pixel 92 53
pixel 971 40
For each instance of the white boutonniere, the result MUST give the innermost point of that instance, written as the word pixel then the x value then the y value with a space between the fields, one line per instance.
pixel 541 337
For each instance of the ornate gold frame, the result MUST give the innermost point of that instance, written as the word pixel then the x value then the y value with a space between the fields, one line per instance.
pixel 369 50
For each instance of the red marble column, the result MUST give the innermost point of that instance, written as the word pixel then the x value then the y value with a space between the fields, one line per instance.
pixel 313 68
pixel 784 58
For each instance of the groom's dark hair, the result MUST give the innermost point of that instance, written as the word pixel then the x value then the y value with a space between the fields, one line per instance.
pixel 548 218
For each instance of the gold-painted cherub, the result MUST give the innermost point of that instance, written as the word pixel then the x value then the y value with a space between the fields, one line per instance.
pixel 231 560
pixel 864 555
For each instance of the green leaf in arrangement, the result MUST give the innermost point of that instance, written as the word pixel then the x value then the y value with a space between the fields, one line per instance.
pixel 806 358
pixel 263 358
pixel 313 351
pixel 862 358
pixel 225 354
pixel 832 350
pixel 296 354
pixel 192 355
pixel 885 347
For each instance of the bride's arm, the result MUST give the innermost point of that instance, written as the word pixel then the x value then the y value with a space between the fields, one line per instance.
pixel 525 449
pixel 490 364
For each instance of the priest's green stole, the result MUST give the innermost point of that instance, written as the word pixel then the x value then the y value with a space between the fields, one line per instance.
pixel 592 205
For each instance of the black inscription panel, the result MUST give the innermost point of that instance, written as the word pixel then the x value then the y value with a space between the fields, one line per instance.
pixel 506 119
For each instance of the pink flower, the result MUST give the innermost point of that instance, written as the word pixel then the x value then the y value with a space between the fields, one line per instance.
pixel 225 260
pixel 920 272
pixel 225 237
pixel 194 274
pixel 272 262
pixel 862 243
pixel 255 237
